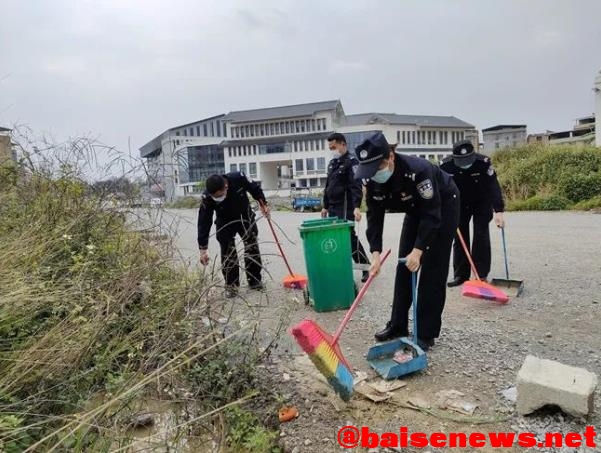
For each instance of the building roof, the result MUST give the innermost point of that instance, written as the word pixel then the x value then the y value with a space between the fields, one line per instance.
pixel 153 146
pixel 287 111
pixel 196 122
pixel 417 120
pixel 5 129
pixel 504 126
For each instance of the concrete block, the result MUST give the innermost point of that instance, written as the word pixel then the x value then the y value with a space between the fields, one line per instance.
pixel 543 382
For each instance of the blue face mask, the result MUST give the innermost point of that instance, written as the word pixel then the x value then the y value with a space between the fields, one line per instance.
pixel 382 176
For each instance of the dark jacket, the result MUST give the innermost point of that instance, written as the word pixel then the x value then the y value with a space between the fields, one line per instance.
pixel 418 188
pixel 478 185
pixel 341 185
pixel 235 207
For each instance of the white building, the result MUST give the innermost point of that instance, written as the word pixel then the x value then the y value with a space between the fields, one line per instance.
pixel 181 157
pixel 583 133
pixel 503 136
pixel 597 90
pixel 286 146
pixel 281 146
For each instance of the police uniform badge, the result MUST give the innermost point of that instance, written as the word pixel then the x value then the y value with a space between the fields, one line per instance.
pixel 363 154
pixel 355 168
pixel 425 189
pixel 490 171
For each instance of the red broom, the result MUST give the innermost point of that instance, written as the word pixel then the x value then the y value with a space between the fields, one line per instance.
pixel 323 350
pixel 292 280
pixel 477 288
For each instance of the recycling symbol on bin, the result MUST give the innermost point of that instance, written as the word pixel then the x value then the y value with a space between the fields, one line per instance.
pixel 328 246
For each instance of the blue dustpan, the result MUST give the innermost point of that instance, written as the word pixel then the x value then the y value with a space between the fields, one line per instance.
pixel 381 356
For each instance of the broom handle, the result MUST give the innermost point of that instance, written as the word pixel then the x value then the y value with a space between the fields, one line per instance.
pixel 276 239
pixel 505 252
pixel 467 253
pixel 413 299
pixel 349 313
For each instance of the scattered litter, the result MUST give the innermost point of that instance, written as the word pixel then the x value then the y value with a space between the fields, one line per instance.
pixel 402 356
pixel 368 392
pixel 361 376
pixel 287 413
pixel 383 386
pixel 454 400
pixel 510 394
pixel 286 377
pixel 418 401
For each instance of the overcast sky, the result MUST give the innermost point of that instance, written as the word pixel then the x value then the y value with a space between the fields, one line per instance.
pixel 126 70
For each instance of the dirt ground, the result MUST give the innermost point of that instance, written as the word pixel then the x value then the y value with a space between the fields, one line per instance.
pixel 482 345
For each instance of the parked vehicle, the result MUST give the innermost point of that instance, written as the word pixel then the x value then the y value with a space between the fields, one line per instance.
pixel 303 199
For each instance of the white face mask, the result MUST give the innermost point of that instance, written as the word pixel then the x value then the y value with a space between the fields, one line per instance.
pixel 334 154
pixel 219 199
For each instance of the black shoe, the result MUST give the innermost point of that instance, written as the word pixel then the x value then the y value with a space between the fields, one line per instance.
pixel 231 292
pixel 425 343
pixel 456 282
pixel 389 332
pixel 257 286
pixel 364 276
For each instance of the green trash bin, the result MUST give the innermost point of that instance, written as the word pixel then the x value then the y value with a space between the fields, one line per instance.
pixel 327 248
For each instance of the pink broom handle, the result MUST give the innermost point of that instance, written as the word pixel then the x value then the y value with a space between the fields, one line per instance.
pixel 467 252
pixel 275 236
pixel 349 313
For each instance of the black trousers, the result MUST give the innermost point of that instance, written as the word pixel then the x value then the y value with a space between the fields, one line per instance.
pixel 433 277
pixel 480 246
pixel 357 250
pixel 226 236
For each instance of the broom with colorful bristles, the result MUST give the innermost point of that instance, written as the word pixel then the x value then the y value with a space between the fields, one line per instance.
pixel 323 349
pixel 479 289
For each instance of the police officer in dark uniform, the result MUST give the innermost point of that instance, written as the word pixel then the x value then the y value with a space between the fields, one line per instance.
pixel 481 194
pixel 226 196
pixel 343 193
pixel 430 200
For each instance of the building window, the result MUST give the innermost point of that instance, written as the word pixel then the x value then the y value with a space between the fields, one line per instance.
pixel 252 169
pixel 242 168
pixel 177 133
pixel 321 164
pixel 434 134
pixel 204 129
pixel 185 132
pixel 413 137
pixel 218 128
pixel 310 166
pixel 318 124
pixel 419 138
pixel 277 128
pixel 295 146
pixel 323 144
pixel 299 167
pixel 287 127
pixel 497 145
pixel 233 167
pixel 272 129
pixel 198 131
pixel 191 132
pixel 323 124
pixel 313 182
